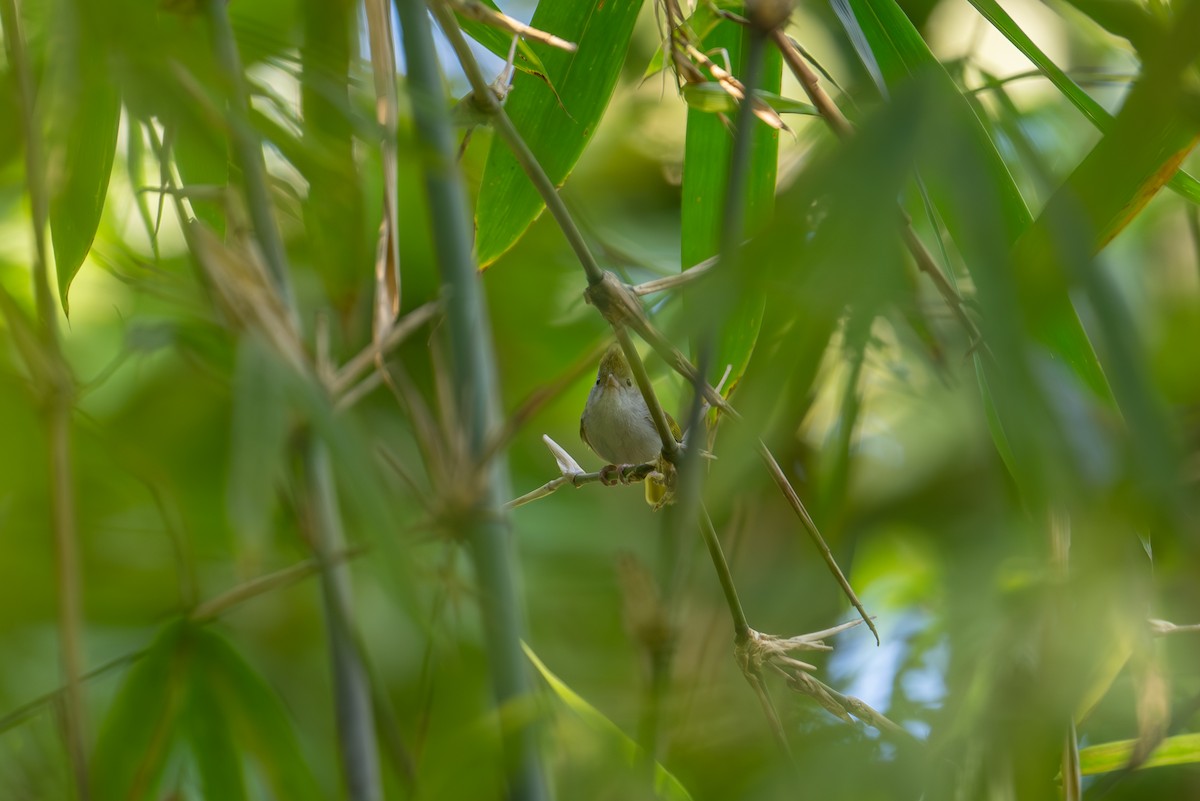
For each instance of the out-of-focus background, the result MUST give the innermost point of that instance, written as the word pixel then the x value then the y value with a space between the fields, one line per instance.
pixel 1011 591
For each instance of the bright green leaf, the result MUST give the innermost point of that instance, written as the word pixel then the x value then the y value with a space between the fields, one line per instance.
pixel 666 786
pixel 84 117
pixel 1182 749
pixel 705 167
pixel 1183 183
pixel 556 126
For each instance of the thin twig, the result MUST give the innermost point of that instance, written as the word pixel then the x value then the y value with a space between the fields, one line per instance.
pixel 473 9
pixel 629 476
pixel 741 627
pixel 355 712
pixel 215 607
pixel 677 280
pixel 362 361
pixel 249 152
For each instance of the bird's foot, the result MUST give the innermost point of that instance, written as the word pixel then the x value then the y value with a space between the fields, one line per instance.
pixel 613 474
pixel 610 475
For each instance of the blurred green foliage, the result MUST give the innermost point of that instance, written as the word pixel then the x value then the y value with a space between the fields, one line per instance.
pixel 1014 508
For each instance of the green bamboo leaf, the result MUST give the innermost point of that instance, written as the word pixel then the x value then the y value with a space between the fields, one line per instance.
pixel 498 42
pixel 666 786
pixel 140 729
pixel 260 424
pixel 1182 749
pixel 257 719
pixel 84 115
pixel 994 213
pixel 1183 183
pixel 893 49
pixel 213 749
pixel 705 167
pixel 556 125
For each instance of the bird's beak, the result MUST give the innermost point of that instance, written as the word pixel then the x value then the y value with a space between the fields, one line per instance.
pixel 611 381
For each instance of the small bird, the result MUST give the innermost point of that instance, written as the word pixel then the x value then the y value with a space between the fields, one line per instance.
pixel 616 423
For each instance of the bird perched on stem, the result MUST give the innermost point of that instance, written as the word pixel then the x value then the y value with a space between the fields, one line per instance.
pixel 616 424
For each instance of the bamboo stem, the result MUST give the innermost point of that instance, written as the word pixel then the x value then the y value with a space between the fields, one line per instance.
pixel 352 696
pixel 355 718
pixel 487 527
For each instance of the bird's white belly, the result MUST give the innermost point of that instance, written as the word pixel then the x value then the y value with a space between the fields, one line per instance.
pixel 621 432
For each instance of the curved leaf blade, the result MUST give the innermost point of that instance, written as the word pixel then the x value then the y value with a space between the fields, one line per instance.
pixel 556 125
pixel 1182 749
pixel 666 786
pixel 707 151
pixel 83 133
pixel 1184 184
pixel 257 718
pixel 138 733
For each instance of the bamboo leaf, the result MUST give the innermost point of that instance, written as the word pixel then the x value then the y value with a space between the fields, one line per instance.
pixel 705 167
pixel 556 125
pixel 260 424
pixel 666 786
pixel 257 718
pixel 85 114
pixel 1182 749
pixel 1183 183
pixel 138 733
pixel 216 757
pixel 986 216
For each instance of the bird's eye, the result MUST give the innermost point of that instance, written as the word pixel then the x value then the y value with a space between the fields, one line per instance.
pixel 597 382
pixel 628 382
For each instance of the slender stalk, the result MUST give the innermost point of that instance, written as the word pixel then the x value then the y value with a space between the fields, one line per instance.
pixel 487 529
pixel 678 525
pixel 677 280
pixel 60 404
pixel 733 222
pixel 741 627
pixel 352 696
pixel 248 151
pixel 658 416
pixel 351 682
